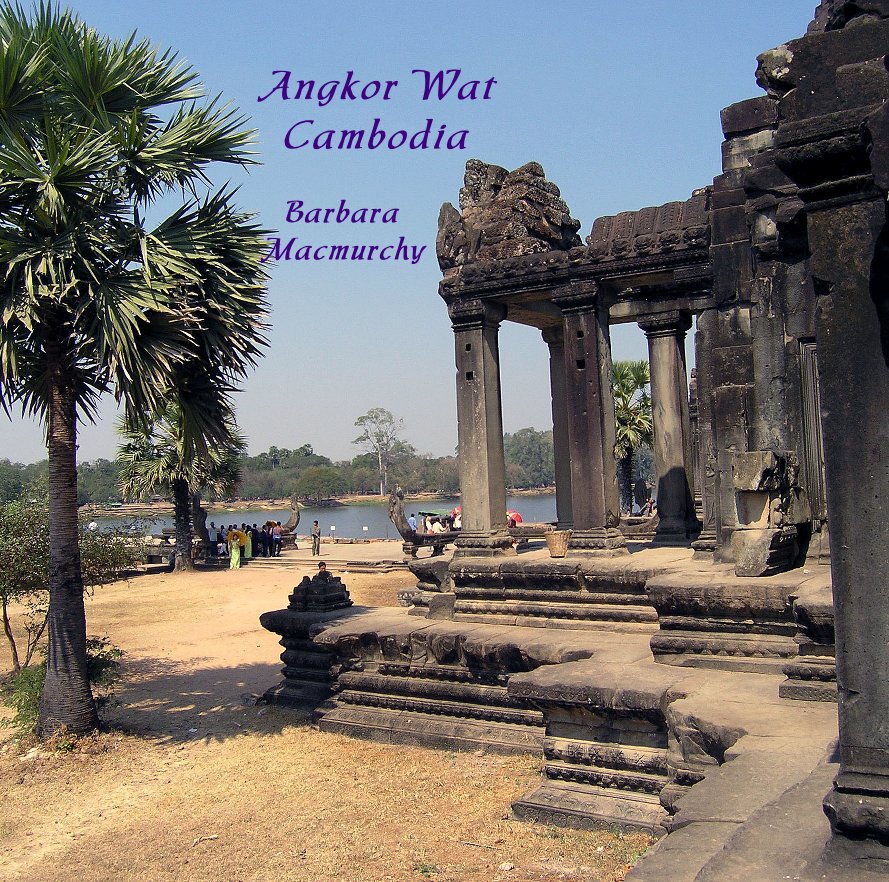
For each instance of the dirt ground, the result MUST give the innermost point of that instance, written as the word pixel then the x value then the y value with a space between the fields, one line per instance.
pixel 193 781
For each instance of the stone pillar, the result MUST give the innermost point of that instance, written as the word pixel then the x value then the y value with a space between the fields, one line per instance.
pixel 555 339
pixel 833 140
pixel 480 429
pixel 850 261
pixel 672 430
pixel 591 432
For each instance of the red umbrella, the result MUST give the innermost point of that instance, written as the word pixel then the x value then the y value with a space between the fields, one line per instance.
pixel 515 516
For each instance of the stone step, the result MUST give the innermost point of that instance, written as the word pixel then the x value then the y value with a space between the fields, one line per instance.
pixel 546 610
pixel 755 653
pixel 427 687
pixel 727 626
pixel 555 622
pixel 566 804
pixel 439 707
pixel 431 730
pixel 603 755
pixel 629 598
pixel 810 678
pixel 611 779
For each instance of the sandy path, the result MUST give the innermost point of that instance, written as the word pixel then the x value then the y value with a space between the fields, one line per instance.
pixel 195 783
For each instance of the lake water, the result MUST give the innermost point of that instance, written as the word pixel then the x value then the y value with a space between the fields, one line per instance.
pixel 367 520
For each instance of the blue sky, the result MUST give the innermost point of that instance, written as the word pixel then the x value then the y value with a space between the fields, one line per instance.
pixel 619 103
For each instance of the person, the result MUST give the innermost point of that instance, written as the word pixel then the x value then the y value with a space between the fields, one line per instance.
pixel 264 540
pixel 277 534
pixel 322 570
pixel 458 520
pixel 254 541
pixel 437 526
pixel 412 522
pixel 248 548
pixel 316 538
pixel 236 540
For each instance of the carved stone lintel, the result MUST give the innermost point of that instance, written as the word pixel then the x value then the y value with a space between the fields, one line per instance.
pixel 666 324
pixel 473 314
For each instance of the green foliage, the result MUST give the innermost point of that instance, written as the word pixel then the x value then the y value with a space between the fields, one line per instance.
pixel 102 661
pixel 634 426
pixel 22 689
pixel 320 482
pixel 24 575
pixel 632 406
pixel 97 481
pixel 155 456
pixel 529 458
pixel 94 131
pixel 21 692
pixel 14 477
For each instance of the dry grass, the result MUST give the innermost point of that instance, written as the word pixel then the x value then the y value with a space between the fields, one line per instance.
pixel 195 783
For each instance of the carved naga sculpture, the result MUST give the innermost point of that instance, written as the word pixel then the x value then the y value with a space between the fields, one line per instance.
pixel 293 520
pixel 503 214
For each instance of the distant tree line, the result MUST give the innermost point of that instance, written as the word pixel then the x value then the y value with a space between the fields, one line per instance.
pixel 281 472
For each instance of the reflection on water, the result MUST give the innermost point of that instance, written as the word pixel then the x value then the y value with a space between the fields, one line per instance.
pixel 366 520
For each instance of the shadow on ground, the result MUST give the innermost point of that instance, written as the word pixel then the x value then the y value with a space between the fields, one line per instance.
pixel 169 701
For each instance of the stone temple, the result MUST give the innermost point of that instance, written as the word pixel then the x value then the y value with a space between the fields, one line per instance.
pixel 686 683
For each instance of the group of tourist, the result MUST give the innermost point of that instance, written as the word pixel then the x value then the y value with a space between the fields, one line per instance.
pixel 245 542
pixel 433 523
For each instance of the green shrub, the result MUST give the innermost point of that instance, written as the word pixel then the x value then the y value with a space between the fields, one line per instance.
pixel 21 691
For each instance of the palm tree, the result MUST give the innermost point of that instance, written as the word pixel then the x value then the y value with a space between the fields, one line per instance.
pixel 158 458
pixel 94 133
pixel 632 411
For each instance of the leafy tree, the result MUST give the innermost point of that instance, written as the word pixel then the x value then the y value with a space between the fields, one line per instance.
pixel 94 133
pixel 632 412
pixel 320 482
pixel 532 452
pixel 25 570
pixel 379 436
pixel 97 482
pixel 14 477
pixel 158 459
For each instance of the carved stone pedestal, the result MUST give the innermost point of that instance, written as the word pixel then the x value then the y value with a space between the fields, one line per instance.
pixel 601 542
pixel 308 668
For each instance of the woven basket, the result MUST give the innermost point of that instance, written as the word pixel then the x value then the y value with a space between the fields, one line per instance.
pixel 557 542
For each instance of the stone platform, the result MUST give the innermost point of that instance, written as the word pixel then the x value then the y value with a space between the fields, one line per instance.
pixel 694 748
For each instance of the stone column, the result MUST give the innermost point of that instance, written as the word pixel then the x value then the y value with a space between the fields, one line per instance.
pixel 480 429
pixel 672 431
pixel 591 433
pixel 850 262
pixel 555 339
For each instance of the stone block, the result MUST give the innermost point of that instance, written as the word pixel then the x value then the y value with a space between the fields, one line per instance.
pixel 733 364
pixel 753 509
pixel 763 552
pixel 732 271
pixel 756 470
pixel 728 225
pixel 737 151
pixel 749 116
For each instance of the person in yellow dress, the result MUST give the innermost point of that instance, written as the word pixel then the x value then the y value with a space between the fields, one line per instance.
pixel 237 540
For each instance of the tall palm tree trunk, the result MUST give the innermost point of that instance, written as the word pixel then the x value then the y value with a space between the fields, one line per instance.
pixel 67 701
pixel 625 480
pixel 182 523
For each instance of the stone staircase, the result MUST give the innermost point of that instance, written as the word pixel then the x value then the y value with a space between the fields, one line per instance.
pixel 611 756
pixel 548 593
pixel 408 680
pixel 718 620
